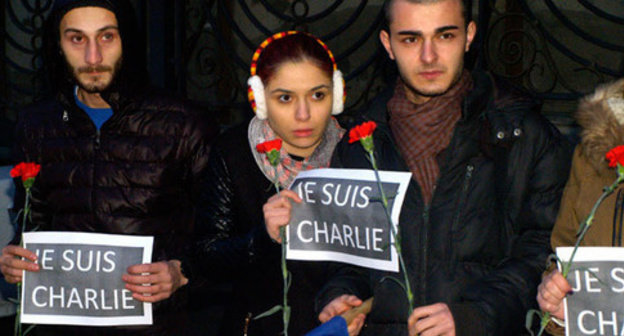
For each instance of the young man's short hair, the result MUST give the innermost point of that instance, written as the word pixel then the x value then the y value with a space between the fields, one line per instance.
pixel 466 10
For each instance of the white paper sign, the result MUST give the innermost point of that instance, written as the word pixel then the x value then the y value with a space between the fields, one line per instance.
pixel 342 217
pixel 79 282
pixel 596 306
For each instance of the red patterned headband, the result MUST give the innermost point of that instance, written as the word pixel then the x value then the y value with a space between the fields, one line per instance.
pixel 263 45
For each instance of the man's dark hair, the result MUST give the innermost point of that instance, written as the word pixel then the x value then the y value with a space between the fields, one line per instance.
pixel 387 7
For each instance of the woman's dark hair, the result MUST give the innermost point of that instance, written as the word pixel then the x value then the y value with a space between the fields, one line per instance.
pixel 293 48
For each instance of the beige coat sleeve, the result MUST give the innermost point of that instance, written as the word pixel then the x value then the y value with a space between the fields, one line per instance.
pixel 564 231
pixel 567 223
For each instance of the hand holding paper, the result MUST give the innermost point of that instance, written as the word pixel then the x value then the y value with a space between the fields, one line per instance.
pixel 154 282
pixel 277 212
pixel 12 265
pixel 79 281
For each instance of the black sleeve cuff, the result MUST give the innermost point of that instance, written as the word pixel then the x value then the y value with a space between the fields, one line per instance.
pixel 468 319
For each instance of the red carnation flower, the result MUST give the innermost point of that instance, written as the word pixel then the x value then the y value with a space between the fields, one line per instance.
pixel 272 150
pixel 25 170
pixel 362 131
pixel 268 146
pixel 615 156
pixel 364 134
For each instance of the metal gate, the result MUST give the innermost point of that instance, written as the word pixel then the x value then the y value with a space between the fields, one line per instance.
pixel 558 50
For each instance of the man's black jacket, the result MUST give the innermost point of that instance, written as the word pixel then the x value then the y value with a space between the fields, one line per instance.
pixel 481 245
pixel 140 174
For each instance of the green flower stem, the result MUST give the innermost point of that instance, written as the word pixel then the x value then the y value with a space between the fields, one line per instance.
pixel 285 307
pixel 588 222
pixel 581 235
pixel 17 330
pixel 395 234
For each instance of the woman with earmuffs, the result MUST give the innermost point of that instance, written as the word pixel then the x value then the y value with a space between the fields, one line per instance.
pixel 294 89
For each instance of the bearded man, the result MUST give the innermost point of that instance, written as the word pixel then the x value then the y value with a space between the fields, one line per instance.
pixel 117 156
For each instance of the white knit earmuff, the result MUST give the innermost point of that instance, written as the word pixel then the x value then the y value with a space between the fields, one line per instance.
pixel 257 94
pixel 339 95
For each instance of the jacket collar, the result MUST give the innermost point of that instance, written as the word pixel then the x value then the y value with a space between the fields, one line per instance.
pixel 475 103
pixel 120 104
pixel 116 100
pixel 598 115
pixel 492 115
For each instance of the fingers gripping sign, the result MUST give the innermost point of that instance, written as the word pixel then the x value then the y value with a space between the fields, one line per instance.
pixel 16 259
pixel 277 212
pixel 154 282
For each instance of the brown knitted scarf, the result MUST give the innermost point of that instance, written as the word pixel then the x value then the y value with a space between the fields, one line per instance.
pixel 423 131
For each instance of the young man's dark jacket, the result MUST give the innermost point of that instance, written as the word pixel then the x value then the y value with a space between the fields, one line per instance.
pixel 139 174
pixel 481 245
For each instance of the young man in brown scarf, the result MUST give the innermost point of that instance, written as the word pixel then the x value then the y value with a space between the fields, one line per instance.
pixel 488 172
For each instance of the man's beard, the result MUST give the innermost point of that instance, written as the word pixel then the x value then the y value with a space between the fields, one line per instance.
pixel 96 86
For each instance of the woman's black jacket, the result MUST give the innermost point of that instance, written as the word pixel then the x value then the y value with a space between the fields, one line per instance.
pixel 235 247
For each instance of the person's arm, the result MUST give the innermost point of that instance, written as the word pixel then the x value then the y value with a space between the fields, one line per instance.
pixel 554 287
pixel 499 302
pixel 568 219
pixel 157 281
pixel 219 246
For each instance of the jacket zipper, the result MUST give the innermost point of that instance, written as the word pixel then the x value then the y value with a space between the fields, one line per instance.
pixel 97 140
pixel 426 218
pixel 460 205
pixel 425 239
pixel 464 194
pixel 423 277
pixel 96 148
